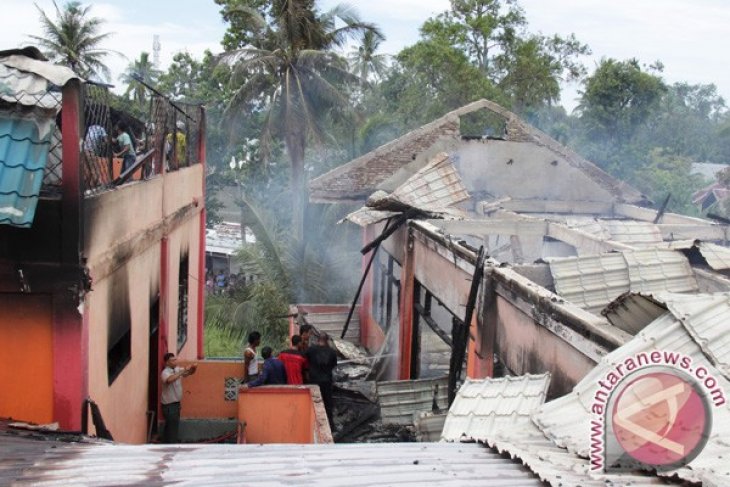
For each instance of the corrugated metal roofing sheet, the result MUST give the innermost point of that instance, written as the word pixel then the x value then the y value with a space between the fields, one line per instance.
pixel 631 312
pixel 269 465
pixel 483 407
pixel 434 187
pixel 401 400
pixel 635 233
pixel 25 135
pixel 591 282
pixel 717 257
pixel 559 467
pixel 367 216
pixel 429 426
pixel 695 326
pixel 23 157
pixel 653 270
pixel 332 323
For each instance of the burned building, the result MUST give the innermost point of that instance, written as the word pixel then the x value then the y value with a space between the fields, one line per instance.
pixel 100 266
pixel 563 240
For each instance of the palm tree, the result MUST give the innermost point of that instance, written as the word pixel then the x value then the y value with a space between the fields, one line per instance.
pixel 292 73
pixel 74 39
pixel 364 62
pixel 140 69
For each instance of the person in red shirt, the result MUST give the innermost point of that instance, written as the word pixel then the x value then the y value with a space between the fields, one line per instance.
pixel 294 362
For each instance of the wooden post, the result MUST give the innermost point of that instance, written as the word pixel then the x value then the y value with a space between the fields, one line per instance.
pixel 406 309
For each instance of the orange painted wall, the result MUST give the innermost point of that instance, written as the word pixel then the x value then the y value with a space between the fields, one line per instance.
pixel 277 414
pixel 26 357
pixel 204 391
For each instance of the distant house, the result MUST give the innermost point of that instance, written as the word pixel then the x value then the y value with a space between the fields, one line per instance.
pixel 100 270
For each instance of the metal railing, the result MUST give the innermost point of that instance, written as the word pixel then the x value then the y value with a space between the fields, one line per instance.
pixel 165 138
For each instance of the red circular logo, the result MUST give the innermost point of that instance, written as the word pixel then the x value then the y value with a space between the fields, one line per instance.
pixel 661 419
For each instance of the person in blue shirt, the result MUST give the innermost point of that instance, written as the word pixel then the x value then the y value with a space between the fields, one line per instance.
pixel 273 371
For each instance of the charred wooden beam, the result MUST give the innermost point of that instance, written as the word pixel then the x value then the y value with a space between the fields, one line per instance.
pixel 390 230
pixel 379 240
pixel 460 331
pixel 663 209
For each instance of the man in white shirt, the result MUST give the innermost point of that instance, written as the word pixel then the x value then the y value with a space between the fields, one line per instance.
pixel 172 395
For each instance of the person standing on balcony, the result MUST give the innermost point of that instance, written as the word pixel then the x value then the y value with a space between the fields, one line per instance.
pixel 250 357
pixel 294 362
pixel 172 395
pixel 273 372
pixel 126 148
pixel 322 361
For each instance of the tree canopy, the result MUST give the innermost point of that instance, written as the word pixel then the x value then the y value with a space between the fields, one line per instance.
pixel 74 39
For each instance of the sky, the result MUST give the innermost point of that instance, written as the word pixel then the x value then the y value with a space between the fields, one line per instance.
pixel 688 36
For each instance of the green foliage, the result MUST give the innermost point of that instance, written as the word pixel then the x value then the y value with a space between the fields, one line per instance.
pixel 285 67
pixel 140 69
pixel 73 39
pixel 365 62
pixel 666 173
pixel 618 97
pixel 229 319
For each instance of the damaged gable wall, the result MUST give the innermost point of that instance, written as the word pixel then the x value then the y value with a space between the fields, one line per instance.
pixel 523 170
pixel 533 154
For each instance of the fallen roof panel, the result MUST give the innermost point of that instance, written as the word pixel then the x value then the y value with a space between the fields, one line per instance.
pixel 483 407
pixel 692 327
pixel 402 400
pixel 558 466
pixel 592 282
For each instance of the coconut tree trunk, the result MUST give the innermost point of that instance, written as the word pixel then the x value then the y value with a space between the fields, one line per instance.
pixel 295 145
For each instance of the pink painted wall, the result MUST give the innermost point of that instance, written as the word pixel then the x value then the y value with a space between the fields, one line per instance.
pixel 123 404
pixel 127 214
pixel 526 347
pixel 69 362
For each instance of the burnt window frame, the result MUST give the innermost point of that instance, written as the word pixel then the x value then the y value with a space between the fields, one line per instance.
pixel 183 299
pixel 119 327
pixel 385 309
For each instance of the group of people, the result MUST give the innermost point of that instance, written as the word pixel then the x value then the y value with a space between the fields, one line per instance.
pixel 96 141
pixel 124 145
pixel 219 283
pixel 301 364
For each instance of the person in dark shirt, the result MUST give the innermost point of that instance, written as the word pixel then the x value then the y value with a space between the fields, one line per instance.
pixel 294 362
pixel 322 361
pixel 305 331
pixel 272 373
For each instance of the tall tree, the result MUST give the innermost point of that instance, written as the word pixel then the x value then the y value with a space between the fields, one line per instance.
pixel 140 69
pixel 618 97
pixel 291 72
pixel 493 36
pixel 74 40
pixel 365 61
